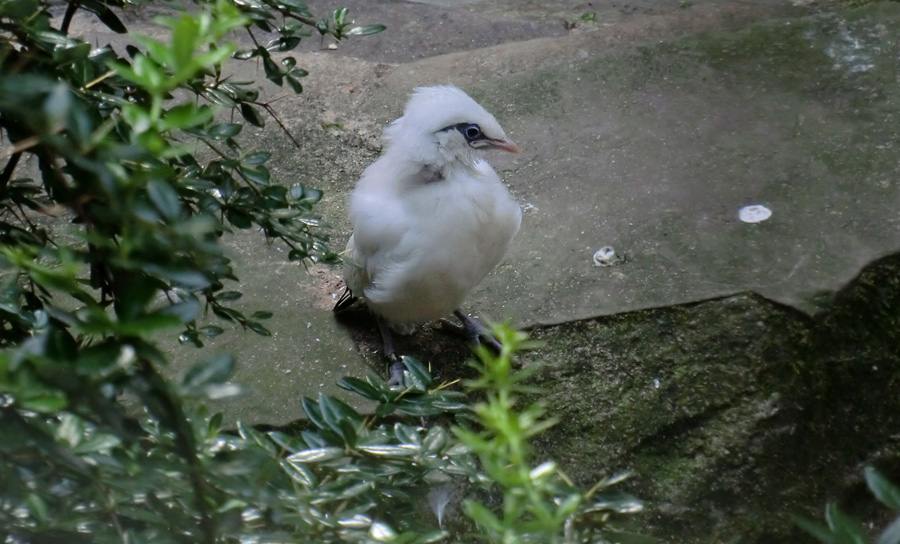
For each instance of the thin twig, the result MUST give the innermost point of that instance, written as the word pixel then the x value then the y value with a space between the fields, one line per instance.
pixel 27 143
pixel 271 112
pixel 67 18
pixel 98 80
pixel 22 145
pixel 8 170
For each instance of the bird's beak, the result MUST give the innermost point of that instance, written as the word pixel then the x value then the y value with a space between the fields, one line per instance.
pixel 505 145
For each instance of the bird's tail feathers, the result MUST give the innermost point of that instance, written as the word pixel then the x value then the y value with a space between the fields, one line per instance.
pixel 346 301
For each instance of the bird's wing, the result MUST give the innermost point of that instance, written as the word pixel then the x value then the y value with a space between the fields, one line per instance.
pixel 380 223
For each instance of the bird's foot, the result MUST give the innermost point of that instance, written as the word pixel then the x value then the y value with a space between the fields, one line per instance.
pixel 474 331
pixel 397 368
pixel 396 371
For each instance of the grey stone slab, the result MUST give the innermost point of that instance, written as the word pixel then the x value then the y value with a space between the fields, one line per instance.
pixel 646 132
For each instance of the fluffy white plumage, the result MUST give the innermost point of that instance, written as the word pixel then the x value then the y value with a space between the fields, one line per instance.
pixel 430 217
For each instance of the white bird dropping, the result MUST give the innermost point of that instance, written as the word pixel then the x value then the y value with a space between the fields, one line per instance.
pixel 606 256
pixel 754 213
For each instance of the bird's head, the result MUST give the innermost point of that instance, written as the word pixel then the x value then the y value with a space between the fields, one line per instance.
pixel 443 124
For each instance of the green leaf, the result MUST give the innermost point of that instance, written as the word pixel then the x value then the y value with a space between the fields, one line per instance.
pixel 365 30
pixel 416 407
pixel 817 530
pixel 164 199
pixel 189 336
pixel 259 438
pixel 186 311
pixel 258 328
pixel 101 442
pixel 258 174
pixel 313 412
pixel 224 131
pixel 421 378
pixel 256 158
pixel 483 517
pixel 286 442
pixel 252 115
pixel 322 26
pixel 385 409
pixel 211 330
pixel 891 535
pixel 147 73
pixel 228 296
pixel 295 5
pixel 846 529
pixel 339 16
pixel 316 455
pixel 186 277
pixel 296 86
pixel 273 73
pixel 57 104
pixel 335 411
pixel 215 423
pixel 213 371
pixel 297 255
pixel 240 91
pixel 238 218
pixel 882 488
pixel 261 314
pixel 244 54
pixel 401 450
pixel 184 43
pixel 359 387
pixel 311 195
pixel 283 43
pixel 45 402
pixel 218 97
pixel 436 439
pixel 407 434
pixel 148 323
pixel 620 503
pixel 186 116
pixel 299 473
pixel 37 507
pixel 227 313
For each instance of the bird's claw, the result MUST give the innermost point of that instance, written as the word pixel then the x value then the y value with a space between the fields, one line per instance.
pixel 396 371
pixel 453 328
pixel 472 330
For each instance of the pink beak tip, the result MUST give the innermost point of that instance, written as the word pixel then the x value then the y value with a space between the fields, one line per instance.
pixel 509 145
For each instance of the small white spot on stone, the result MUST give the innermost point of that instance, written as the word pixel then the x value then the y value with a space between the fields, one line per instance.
pixel 606 256
pixel 754 213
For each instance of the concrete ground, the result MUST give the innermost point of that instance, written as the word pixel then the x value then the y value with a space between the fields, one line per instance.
pixel 646 129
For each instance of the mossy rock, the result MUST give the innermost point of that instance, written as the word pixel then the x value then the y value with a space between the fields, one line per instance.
pixel 736 414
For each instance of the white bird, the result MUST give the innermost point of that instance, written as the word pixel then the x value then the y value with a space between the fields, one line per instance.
pixel 430 217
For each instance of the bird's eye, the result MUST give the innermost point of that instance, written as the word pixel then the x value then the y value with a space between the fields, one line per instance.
pixel 472 132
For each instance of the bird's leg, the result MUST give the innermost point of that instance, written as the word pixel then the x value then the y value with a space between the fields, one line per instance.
pixel 396 369
pixel 475 331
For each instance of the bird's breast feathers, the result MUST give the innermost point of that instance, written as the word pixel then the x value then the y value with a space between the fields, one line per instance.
pixel 431 241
